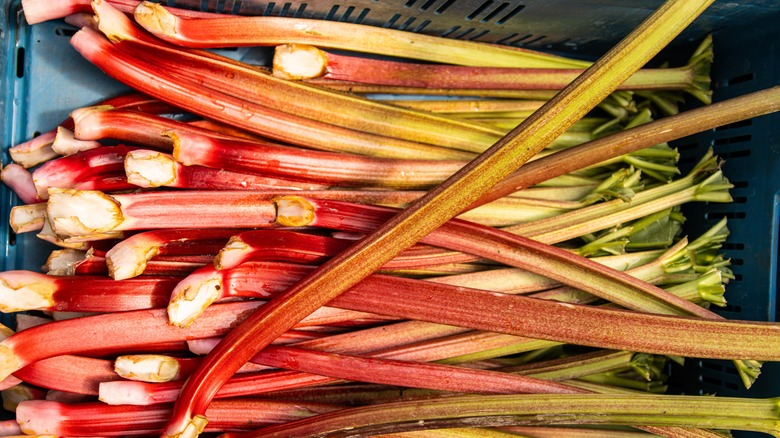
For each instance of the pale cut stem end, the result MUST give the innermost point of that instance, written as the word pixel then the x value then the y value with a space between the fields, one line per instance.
pixel 155 18
pixel 149 169
pixel 35 151
pixel 293 211
pixel 129 258
pixel 234 253
pixel 124 392
pixel 9 362
pixel 192 296
pixel 192 428
pixel 20 292
pixel 65 143
pixel 153 368
pixel 27 218
pixel 82 212
pixel 63 261
pixel 299 61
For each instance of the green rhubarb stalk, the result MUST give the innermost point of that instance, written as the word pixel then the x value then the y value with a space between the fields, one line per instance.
pixel 566 226
pixel 759 415
pixel 425 215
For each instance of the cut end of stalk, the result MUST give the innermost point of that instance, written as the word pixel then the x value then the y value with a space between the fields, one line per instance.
pixel 24 295
pixel 293 211
pixel 299 61
pixel 124 392
pixel 148 169
pixel 9 362
pixel 153 368
pixel 65 143
pixel 63 261
pixel 127 261
pixel 192 296
pixel 82 212
pixel 27 218
pixel 155 18
pixel 231 255
pixel 191 429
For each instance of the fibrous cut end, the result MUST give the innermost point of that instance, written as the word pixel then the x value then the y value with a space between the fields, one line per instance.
pixel 27 218
pixel 293 211
pixel 147 367
pixel 9 361
pixel 21 291
pixel 299 61
pixel 191 297
pixel 147 169
pixel 82 212
pixel 155 18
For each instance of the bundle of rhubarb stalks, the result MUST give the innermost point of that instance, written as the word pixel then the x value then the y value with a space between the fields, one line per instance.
pixel 310 248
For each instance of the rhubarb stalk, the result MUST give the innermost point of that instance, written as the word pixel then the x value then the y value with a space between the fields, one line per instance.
pixel 254 31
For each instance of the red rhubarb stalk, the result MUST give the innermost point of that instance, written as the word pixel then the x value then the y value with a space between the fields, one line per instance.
pixel 317 166
pixel 38 11
pixel 87 213
pixel 91 419
pixel 108 332
pixel 128 258
pixel 80 168
pixel 105 122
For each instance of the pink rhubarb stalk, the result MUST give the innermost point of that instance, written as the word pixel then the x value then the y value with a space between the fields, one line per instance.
pixel 81 168
pixel 18 179
pixel 288 245
pixel 134 127
pixel 86 213
pixel 128 257
pixel 91 419
pixel 315 166
pixel 694 77
pixel 151 169
pixel 107 333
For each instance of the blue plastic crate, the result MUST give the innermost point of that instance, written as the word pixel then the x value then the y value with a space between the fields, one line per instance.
pixel 42 79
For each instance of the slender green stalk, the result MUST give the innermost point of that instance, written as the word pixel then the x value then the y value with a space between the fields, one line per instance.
pixel 760 415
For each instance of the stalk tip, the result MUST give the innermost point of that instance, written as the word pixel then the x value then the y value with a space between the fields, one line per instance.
pixel 82 212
